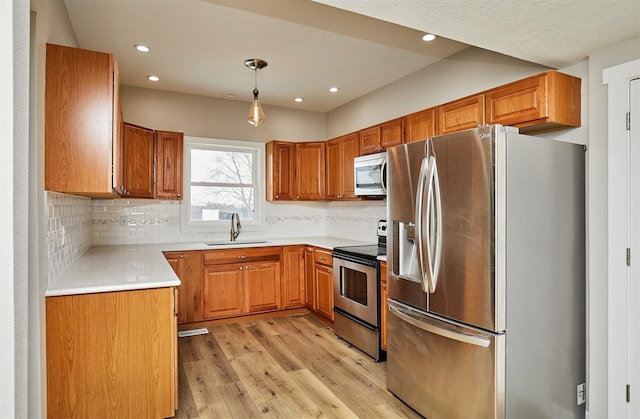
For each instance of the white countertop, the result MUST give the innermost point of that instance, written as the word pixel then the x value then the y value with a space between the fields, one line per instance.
pixel 132 267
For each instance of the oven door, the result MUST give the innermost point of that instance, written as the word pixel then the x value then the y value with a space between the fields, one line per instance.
pixel 355 289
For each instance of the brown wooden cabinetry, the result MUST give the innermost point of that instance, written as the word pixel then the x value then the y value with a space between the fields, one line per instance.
pixel 293 276
pixel 310 278
pixel 295 171
pixel 241 281
pixel 461 114
pixel 339 175
pixel 310 171
pixel 545 101
pixel 281 166
pixel 81 122
pixel 139 168
pixel 324 283
pixel 380 137
pixel 383 304
pixel 420 125
pixel 112 346
pixel 187 266
pixel 169 155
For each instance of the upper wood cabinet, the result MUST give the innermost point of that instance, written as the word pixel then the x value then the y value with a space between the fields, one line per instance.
pixel 310 171
pixel 420 125
pixel 139 169
pixel 461 114
pixel 281 166
pixel 341 152
pixel 545 101
pixel 169 156
pixel 380 137
pixel 81 121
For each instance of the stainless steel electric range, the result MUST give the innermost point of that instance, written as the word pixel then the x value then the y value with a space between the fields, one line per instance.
pixel 356 294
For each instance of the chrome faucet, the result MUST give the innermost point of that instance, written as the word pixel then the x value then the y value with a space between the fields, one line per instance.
pixel 235 226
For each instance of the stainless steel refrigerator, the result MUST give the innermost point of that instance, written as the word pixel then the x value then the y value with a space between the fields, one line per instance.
pixel 486 275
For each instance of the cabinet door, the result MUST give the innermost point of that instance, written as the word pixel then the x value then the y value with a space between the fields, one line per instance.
pixel 80 88
pixel 309 279
pixel 281 164
pixel 334 169
pixel 350 148
pixel 169 153
pixel 223 291
pixel 548 100
pixel 461 114
pixel 391 134
pixel 293 283
pixel 420 125
pixel 262 286
pixel 187 266
pixel 310 171
pixel 370 140
pixel 176 260
pixel 138 162
pixel 324 291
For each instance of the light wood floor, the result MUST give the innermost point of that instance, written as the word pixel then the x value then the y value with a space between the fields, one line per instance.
pixel 285 367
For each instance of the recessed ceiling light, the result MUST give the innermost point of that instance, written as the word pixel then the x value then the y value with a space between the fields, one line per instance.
pixel 298 99
pixel 428 37
pixel 334 89
pixel 142 48
pixel 153 78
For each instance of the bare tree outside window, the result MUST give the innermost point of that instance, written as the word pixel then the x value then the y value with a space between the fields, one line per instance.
pixel 221 183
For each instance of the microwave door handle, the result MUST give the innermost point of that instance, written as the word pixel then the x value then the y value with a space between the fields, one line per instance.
pixel 383 176
pixel 419 222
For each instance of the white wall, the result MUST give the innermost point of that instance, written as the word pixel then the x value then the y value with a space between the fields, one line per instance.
pixel 14 115
pixel 597 223
pixel 200 116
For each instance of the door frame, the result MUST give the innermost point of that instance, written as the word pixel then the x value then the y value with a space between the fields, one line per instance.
pixel 623 335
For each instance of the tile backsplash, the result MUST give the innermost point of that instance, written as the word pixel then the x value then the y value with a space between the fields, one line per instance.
pixel 74 224
pixel 69 231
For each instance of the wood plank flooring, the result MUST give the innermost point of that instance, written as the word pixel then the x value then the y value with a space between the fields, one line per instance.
pixel 284 367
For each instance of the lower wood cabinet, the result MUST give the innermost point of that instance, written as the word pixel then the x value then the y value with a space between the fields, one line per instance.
pixel 293 276
pixel 112 355
pixel 243 281
pixel 324 283
pixel 188 268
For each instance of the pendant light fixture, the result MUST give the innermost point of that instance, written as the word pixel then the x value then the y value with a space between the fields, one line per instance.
pixel 256 115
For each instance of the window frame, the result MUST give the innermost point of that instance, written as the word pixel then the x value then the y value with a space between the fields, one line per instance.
pixel 218 144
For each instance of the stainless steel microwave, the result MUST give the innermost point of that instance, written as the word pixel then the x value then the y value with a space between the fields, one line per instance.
pixel 370 174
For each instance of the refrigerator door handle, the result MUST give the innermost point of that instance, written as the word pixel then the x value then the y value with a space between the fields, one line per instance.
pixel 411 318
pixel 418 217
pixel 429 224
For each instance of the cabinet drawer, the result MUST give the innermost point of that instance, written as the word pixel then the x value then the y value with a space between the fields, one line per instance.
pixel 323 257
pixel 216 257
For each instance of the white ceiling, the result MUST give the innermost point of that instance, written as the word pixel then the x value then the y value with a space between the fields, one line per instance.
pixel 199 46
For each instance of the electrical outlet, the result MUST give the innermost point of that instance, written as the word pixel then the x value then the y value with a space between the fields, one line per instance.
pixel 582 394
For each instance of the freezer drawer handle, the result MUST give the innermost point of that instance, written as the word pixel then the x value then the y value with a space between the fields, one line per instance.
pixel 462 337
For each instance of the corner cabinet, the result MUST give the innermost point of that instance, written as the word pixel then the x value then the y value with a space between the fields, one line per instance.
pixel 546 101
pixel 82 118
pixel 295 171
pixel 139 168
pixel 112 354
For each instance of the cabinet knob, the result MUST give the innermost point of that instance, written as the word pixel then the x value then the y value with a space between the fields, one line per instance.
pixel 242 257
pixel 179 195
pixel 241 268
pixel 181 256
pixel 297 196
pixel 277 196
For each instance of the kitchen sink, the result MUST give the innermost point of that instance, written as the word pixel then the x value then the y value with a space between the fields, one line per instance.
pixel 236 242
